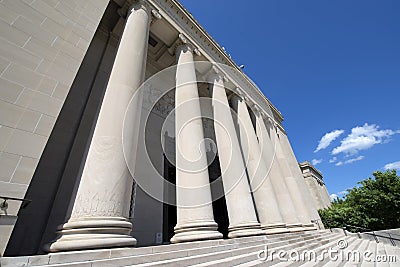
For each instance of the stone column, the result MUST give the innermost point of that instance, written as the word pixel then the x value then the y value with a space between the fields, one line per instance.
pixel 327 198
pixel 195 219
pixel 315 190
pixel 275 176
pixel 264 196
pixel 320 192
pixel 100 212
pixel 291 183
pixel 242 215
pixel 302 187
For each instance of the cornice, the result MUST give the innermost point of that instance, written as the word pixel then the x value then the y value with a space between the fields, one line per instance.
pixel 307 164
pixel 194 31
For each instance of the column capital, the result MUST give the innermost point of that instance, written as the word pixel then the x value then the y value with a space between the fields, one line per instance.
pixel 183 41
pixel 132 5
pixel 273 123
pixel 215 74
pixel 129 6
pixel 258 111
pixel 240 94
pixel 155 15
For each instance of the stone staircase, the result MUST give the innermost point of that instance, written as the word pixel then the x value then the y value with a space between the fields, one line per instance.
pixel 243 252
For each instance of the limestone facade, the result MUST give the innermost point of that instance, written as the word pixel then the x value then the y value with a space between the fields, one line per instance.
pixel 316 185
pixel 98 98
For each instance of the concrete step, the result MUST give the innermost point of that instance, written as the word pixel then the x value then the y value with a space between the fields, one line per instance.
pixel 276 262
pixel 197 257
pixel 381 252
pixel 245 258
pixel 238 260
pixel 368 254
pixel 321 252
pixel 355 247
pixel 325 258
pixel 394 254
pixel 325 241
pixel 234 252
pixel 87 257
pixel 351 247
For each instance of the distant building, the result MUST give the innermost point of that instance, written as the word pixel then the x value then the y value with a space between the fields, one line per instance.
pixel 316 185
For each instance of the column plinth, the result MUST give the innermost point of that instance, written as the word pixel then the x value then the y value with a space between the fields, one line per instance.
pixel 275 228
pixel 241 212
pixel 195 218
pixel 194 231
pixel 100 213
pixel 104 233
pixel 295 227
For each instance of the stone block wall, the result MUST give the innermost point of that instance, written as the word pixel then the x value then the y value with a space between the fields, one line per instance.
pixel 42 45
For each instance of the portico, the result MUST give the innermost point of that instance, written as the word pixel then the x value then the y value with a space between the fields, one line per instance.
pixel 262 191
pixel 106 179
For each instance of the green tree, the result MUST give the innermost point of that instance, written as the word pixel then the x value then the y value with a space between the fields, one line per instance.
pixel 374 204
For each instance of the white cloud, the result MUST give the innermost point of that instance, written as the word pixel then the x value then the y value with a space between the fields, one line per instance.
pixel 362 138
pixel 316 161
pixel 393 166
pixel 334 197
pixel 340 163
pixel 354 160
pixel 327 139
pixel 333 160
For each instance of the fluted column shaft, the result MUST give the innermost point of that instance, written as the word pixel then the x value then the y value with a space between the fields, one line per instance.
pixel 327 199
pixel 264 197
pixel 242 215
pixel 295 169
pixel 101 209
pixel 275 176
pixel 195 219
pixel 273 186
pixel 291 183
pixel 315 191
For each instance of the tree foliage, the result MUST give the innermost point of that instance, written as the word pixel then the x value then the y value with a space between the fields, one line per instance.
pixel 373 205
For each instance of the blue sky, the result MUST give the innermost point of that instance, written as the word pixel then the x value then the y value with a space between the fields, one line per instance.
pixel 331 67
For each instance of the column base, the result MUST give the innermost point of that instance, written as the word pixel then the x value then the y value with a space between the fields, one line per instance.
pixel 309 227
pixel 243 230
pixel 276 228
pixel 93 233
pixel 295 227
pixel 196 231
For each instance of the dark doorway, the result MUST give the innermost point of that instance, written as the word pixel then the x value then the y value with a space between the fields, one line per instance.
pixel 169 210
pixel 217 192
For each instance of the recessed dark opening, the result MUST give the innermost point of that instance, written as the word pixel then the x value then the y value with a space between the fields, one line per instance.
pixel 152 42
